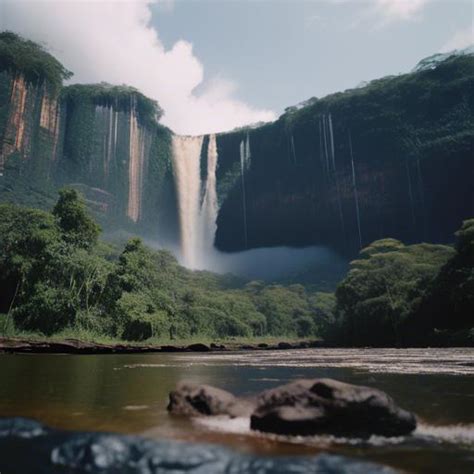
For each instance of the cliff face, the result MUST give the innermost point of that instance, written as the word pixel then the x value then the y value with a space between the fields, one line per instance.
pixel 120 158
pixel 391 159
pixel 29 131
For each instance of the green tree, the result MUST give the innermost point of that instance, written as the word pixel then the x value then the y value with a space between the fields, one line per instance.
pixel 446 315
pixel 383 287
pixel 77 227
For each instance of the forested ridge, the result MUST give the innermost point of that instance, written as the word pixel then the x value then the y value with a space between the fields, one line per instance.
pixel 59 278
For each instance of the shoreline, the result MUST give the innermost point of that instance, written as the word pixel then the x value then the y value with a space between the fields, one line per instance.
pixel 76 346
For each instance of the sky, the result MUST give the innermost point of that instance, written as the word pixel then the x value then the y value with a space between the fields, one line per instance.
pixel 214 65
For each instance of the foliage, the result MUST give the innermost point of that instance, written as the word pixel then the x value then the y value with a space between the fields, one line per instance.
pixel 76 225
pixel 121 97
pixel 397 294
pixel 61 278
pixel 57 277
pixel 18 55
pixel 446 313
pixel 383 287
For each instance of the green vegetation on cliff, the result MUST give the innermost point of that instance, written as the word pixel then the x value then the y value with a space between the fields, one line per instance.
pixel 56 276
pixel 356 166
pixel 22 56
pixel 124 98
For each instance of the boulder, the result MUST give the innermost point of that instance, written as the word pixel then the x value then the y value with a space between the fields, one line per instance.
pixel 191 399
pixel 284 345
pixel 171 349
pixel 28 447
pixel 198 347
pixel 326 406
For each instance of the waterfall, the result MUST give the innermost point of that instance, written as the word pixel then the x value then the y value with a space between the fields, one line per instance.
pixel 209 203
pixel 321 147
pixel 137 153
pixel 356 196
pixel 325 144
pixel 293 149
pixel 244 162
pixel 197 221
pixel 330 156
pixel 331 137
pixel 247 151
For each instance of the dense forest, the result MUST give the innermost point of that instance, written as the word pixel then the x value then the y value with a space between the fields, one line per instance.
pixel 59 278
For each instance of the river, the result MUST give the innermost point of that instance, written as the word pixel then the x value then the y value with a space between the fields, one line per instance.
pixel 128 394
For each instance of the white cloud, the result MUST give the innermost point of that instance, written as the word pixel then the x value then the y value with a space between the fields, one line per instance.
pixel 114 42
pixel 380 13
pixel 394 10
pixel 461 39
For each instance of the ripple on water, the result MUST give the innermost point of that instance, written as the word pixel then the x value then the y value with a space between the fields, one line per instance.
pixel 439 361
pixel 452 434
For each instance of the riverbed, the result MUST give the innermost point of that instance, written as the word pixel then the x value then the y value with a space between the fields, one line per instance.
pixel 128 394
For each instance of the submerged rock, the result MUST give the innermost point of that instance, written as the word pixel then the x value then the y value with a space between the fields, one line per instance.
pixel 326 406
pixel 197 400
pixel 35 449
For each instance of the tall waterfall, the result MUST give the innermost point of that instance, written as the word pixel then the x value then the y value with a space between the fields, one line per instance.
pixel 137 139
pixel 197 220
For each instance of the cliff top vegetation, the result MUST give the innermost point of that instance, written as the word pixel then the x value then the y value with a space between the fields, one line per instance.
pixel 19 55
pixel 121 97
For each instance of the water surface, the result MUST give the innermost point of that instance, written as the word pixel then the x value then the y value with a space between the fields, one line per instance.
pixel 128 394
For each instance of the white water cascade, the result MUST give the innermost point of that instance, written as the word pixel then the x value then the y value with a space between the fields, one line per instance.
pixel 209 203
pixel 197 221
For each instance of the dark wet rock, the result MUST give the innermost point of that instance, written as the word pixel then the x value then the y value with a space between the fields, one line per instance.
pixel 171 349
pixel 284 345
pixel 198 347
pixel 197 400
pixel 263 345
pixel 326 406
pixel 247 347
pixel 20 428
pixel 47 451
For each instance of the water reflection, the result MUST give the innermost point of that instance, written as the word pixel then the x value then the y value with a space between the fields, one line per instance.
pixel 128 394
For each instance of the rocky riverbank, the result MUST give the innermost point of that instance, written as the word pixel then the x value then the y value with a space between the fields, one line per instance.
pixel 75 346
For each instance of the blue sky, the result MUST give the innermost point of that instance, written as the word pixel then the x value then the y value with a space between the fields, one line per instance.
pixel 281 52
pixel 216 65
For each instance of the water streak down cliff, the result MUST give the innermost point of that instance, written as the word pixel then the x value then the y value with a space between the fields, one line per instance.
pixel 139 144
pixel 391 159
